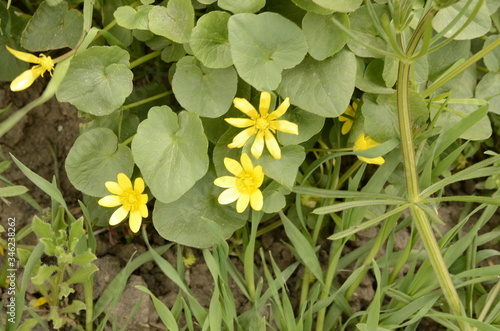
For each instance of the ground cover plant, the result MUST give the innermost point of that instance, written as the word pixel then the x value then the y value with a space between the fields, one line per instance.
pixel 215 124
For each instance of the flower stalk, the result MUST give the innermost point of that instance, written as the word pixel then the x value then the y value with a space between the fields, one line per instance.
pixel 412 190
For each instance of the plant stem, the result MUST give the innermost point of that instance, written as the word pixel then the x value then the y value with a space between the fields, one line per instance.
pixel 412 190
pixel 144 58
pixel 249 257
pixel 143 101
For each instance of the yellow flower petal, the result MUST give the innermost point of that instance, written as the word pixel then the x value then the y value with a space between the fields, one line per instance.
pixel 225 181
pixel 285 126
pixel 124 181
pixel 246 163
pixel 143 209
pixel 240 122
pixel 347 126
pixel 246 107
pixel 118 216
pixel 258 145
pixel 258 176
pixel 242 203
pixel 280 110
pixel 24 80
pixel 257 200
pixel 114 188
pixel 40 301
pixel 376 160
pixel 241 138
pixel 272 145
pixel 233 166
pixel 26 57
pixel 135 221
pixel 139 185
pixel 228 196
pixel 265 102
pixel 110 201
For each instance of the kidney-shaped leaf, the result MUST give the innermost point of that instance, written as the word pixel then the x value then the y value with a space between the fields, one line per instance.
pixel 209 40
pixel 263 45
pixel 174 22
pixel 133 18
pixel 52 27
pixel 208 92
pixel 98 80
pixel 242 6
pixel 95 158
pixel 197 219
pixel 321 87
pixel 171 151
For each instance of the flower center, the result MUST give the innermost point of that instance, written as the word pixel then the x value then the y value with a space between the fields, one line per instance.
pixel 46 63
pixel 261 123
pixel 245 184
pixel 130 200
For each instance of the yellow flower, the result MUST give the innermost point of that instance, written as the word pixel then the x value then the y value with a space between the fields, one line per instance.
pixel 244 187
pixel 263 126
pixel 364 143
pixel 130 198
pixel 189 259
pixel 349 119
pixel 38 302
pixel 24 80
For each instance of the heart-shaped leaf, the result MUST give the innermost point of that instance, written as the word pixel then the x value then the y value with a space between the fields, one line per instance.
pixel 171 151
pixel 263 45
pixel 175 22
pixel 98 80
pixel 95 158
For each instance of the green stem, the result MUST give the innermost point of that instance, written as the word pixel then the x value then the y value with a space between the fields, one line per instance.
pixel 144 58
pixel 412 190
pixel 89 303
pixel 143 101
pixel 249 257
pixel 458 70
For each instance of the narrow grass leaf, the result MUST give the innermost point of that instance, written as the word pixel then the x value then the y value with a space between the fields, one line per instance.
pixel 165 314
pixel 302 245
pixel 353 204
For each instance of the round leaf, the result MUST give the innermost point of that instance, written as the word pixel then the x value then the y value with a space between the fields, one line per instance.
pixel 52 27
pixel 171 151
pixel 489 89
pixel 95 158
pixel 242 6
pixel 209 40
pixel 175 22
pixel 479 26
pixel 98 80
pixel 323 88
pixel 263 45
pixel 492 59
pixel 197 219
pixel 343 6
pixel 323 36
pixel 132 18
pixel 208 92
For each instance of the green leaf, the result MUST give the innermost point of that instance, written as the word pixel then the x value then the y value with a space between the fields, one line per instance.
pixel 284 170
pixel 263 45
pixel 208 92
pixel 85 258
pixel 381 121
pixel 209 40
pixel 274 198
pixel 171 151
pixel 371 79
pixel 175 22
pixel 82 274
pixel 309 125
pixel 197 219
pixel 321 87
pixel 52 28
pixel 492 59
pixel 165 314
pixel 75 234
pixel 242 6
pixel 43 274
pixel 98 80
pixel 343 6
pixel 311 6
pixel 364 29
pixel 323 36
pixel 479 26
pixel 489 88
pixel 480 131
pixel 95 158
pixel 12 191
pixel 303 247
pixel 42 229
pixel 133 18
pixel 173 52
